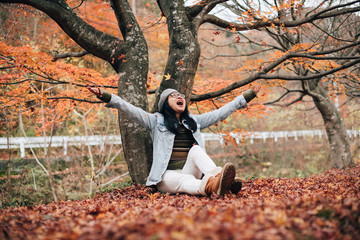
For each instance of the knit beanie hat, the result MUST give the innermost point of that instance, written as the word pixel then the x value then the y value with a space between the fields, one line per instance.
pixel 164 95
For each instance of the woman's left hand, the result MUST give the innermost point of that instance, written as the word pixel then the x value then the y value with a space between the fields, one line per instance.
pixel 257 89
pixel 96 91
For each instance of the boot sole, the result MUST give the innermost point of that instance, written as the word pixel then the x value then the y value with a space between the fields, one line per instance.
pixel 226 178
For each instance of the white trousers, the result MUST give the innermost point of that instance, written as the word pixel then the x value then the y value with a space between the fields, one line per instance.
pixel 188 179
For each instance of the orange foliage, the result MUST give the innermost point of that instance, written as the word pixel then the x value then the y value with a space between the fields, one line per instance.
pixel 33 78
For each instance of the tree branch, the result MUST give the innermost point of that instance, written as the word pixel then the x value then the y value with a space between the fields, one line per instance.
pixel 243 82
pixel 326 10
pixel 316 8
pixel 276 22
pixel 262 75
pixel 125 17
pixel 196 9
pixel 69 54
pixel 237 55
pixel 75 99
pixel 216 45
pixel 330 35
pixel 284 95
pixel 313 76
pixel 259 44
pixel 335 49
pixel 82 1
pixel 56 82
pixel 198 20
pixel 7 67
pixel 96 42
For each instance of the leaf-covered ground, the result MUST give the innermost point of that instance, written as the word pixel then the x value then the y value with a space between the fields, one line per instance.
pixel 324 206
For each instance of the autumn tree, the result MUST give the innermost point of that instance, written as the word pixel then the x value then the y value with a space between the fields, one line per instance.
pixel 310 57
pixel 316 55
pixel 283 20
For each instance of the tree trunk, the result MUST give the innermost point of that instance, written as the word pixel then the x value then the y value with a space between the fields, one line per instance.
pixel 136 140
pixel 184 50
pixel 335 129
pixel 133 72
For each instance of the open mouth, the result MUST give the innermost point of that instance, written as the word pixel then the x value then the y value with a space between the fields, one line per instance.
pixel 180 103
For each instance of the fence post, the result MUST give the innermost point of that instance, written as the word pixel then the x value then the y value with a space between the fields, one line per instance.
pixel 65 145
pixel 22 150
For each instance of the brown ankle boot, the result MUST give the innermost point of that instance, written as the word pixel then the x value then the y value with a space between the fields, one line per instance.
pixel 220 184
pixel 236 185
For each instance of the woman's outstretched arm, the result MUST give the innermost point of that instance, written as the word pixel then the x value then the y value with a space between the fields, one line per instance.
pixel 207 119
pixel 113 101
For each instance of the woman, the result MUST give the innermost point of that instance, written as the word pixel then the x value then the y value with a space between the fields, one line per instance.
pixel 180 163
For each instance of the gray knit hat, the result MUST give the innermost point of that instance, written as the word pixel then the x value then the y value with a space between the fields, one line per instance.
pixel 164 95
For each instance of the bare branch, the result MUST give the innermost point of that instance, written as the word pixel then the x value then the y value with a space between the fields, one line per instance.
pixel 316 8
pixel 330 35
pixel 237 55
pixel 276 22
pixel 114 179
pixel 153 24
pixel 56 82
pixel 335 49
pixel 329 58
pixel 306 87
pixel 82 1
pixel 300 98
pixel 198 20
pixel 284 95
pixel 196 9
pixel 216 45
pixel 257 43
pixel 75 99
pixel 313 76
pixel 69 54
pixel 326 10
pixel 262 75
pixel 7 67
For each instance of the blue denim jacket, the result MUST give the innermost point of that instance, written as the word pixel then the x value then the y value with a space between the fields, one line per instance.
pixel 163 139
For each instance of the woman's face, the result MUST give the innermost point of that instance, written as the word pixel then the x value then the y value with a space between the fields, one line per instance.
pixel 177 102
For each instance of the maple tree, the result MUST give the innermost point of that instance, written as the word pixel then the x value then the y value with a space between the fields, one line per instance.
pixel 127 52
pixel 27 97
pixel 324 206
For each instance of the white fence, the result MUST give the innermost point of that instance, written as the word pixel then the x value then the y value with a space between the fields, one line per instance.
pixel 59 141
pixel 101 140
pixel 276 135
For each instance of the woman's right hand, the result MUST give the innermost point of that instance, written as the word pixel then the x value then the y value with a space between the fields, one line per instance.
pixel 96 91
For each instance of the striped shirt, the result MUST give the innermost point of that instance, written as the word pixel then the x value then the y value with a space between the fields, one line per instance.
pixel 183 141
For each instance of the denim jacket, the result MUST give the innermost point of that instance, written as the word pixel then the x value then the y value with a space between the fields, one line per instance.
pixel 163 139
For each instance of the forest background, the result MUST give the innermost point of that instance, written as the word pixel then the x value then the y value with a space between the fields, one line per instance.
pixel 35 107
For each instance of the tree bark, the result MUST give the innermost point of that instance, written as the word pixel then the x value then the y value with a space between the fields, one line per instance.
pixel 184 50
pixel 136 140
pixel 335 129
pixel 133 72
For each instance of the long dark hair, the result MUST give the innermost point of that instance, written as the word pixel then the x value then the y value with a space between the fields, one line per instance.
pixel 171 122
